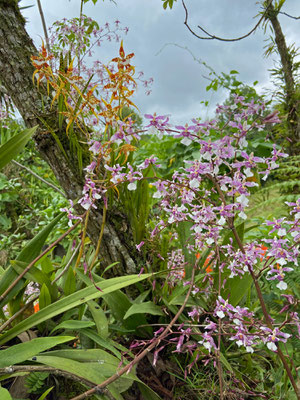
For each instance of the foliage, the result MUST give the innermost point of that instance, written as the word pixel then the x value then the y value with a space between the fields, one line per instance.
pixel 168 3
pixel 26 203
pixel 35 381
pixel 287 177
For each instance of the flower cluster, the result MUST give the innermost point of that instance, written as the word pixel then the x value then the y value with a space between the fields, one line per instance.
pixel 240 262
pixel 274 336
pixel 130 176
pixel 90 194
pixel 176 267
pixel 71 213
pixel 209 194
pixel 241 326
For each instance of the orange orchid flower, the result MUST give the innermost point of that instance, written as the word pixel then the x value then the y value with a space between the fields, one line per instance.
pixel 209 269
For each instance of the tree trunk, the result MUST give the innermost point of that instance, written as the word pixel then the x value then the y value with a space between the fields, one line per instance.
pixel 291 100
pixel 16 71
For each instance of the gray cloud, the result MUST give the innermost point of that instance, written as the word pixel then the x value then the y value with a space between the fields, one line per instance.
pixel 179 81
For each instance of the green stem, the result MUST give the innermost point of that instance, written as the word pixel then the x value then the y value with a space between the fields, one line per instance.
pixel 100 238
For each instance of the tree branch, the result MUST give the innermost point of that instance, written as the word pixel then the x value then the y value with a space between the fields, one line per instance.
pixel 40 178
pixel 13 284
pixel 288 15
pixel 213 37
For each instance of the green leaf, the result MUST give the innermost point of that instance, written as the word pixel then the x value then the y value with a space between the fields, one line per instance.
pixel 99 318
pixel 147 392
pixel 87 356
pixel 236 288
pixel 4 394
pixel 225 362
pixel 71 301
pixel 5 222
pixel 46 264
pixel 28 254
pixel 34 274
pixel 12 148
pixel 84 370
pixel 184 234
pixel 95 372
pixel 73 325
pixel 141 297
pixel 144 308
pixel 70 282
pixel 23 351
pixel 178 301
pixel 44 298
pixel 105 343
pixel 34 247
pixel 45 393
pixel 117 301
pixel 118 304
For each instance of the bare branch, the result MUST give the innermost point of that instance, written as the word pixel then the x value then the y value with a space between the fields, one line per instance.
pixel 44 25
pixel 213 37
pixel 288 15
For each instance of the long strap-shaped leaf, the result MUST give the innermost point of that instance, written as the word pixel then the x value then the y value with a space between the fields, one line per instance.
pixel 14 146
pixel 23 351
pixel 71 301
pixel 30 251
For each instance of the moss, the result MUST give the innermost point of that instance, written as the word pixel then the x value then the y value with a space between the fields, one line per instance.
pixel 15 6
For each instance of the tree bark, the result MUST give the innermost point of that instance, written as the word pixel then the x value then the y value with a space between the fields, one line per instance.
pixel 16 71
pixel 292 102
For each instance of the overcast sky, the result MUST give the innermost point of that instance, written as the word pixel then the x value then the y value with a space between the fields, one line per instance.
pixel 158 38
